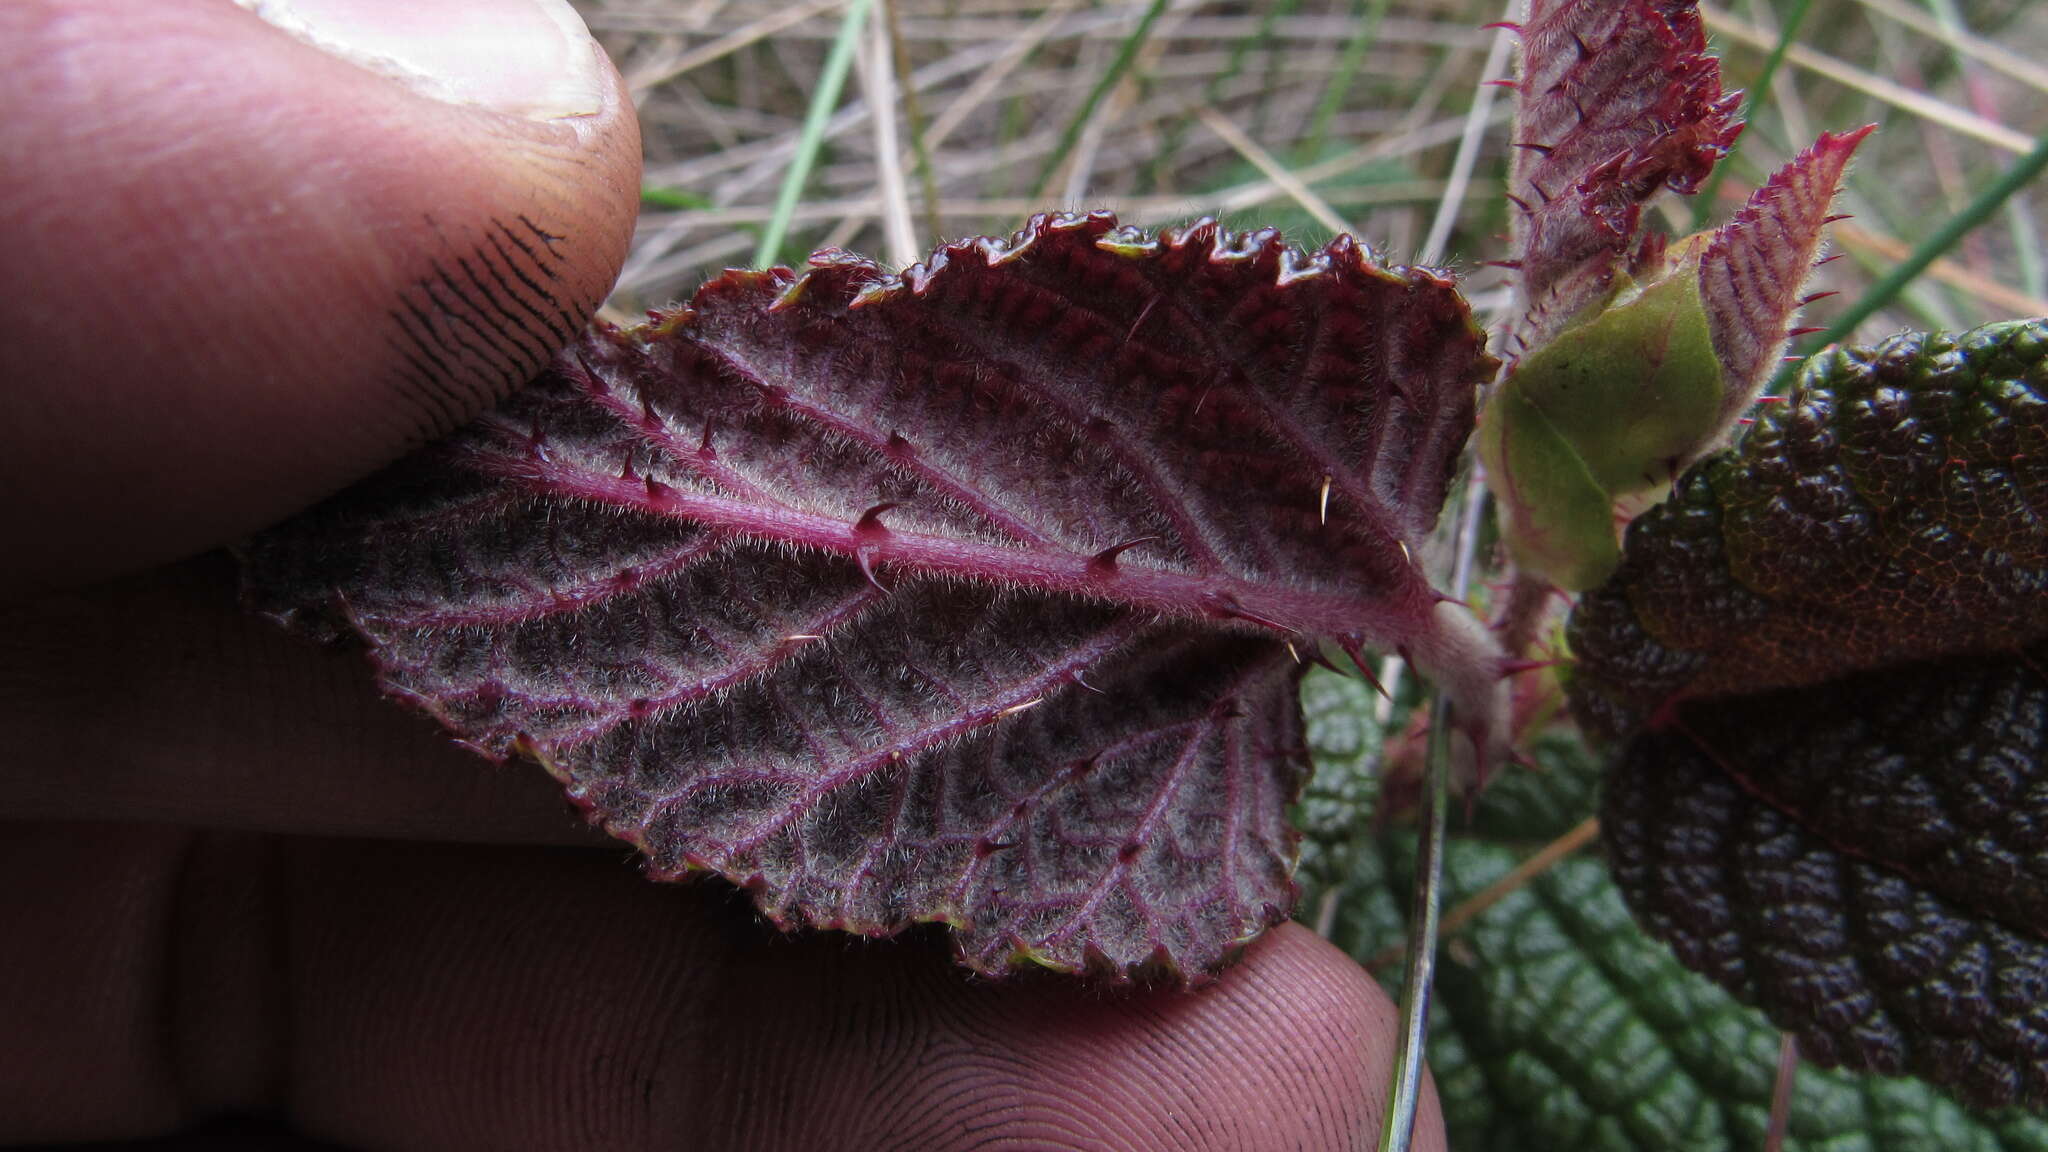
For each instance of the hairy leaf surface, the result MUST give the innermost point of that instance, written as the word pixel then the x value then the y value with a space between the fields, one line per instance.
pixel 1619 100
pixel 962 595
pixel 1754 268
pixel 1825 655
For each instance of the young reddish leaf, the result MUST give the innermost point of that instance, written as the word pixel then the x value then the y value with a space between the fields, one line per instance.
pixel 964 595
pixel 1756 265
pixel 1618 100
pixel 1606 412
pixel 1825 654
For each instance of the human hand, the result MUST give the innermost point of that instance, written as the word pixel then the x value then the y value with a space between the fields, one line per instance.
pixel 243 271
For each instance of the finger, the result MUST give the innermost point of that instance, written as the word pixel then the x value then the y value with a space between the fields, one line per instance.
pixel 250 260
pixel 441 997
pixel 159 699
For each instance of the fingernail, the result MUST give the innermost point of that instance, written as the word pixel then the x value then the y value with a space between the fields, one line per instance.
pixel 531 58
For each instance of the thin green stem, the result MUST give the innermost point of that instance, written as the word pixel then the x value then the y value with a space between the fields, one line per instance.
pixel 1752 105
pixel 1126 55
pixel 1945 237
pixel 1418 973
pixel 1404 1090
pixel 831 82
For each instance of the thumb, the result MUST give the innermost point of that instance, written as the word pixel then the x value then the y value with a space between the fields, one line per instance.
pixel 258 251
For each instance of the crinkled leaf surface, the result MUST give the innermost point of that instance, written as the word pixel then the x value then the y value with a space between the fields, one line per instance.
pixel 1890 510
pixel 1557 1024
pixel 1754 268
pixel 1867 860
pixel 1825 655
pixel 1618 100
pixel 964 595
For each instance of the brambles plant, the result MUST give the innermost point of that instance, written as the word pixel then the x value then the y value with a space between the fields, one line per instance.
pixel 983 591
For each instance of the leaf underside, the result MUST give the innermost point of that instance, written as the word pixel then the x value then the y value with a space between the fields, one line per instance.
pixel 1824 654
pixel 964 595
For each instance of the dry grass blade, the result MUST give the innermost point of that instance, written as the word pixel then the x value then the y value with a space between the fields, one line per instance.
pixel 1958 120
pixel 1273 170
pixel 1468 142
pixel 1990 54
pixel 1518 878
pixel 1781 1093
pixel 728 44
pixel 1999 296
pixel 878 87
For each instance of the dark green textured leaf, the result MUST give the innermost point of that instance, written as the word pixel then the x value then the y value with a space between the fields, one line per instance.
pixel 1893 508
pixel 1559 1025
pixel 1825 656
pixel 1873 876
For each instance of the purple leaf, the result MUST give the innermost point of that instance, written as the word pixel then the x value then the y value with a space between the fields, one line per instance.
pixel 1755 266
pixel 1618 101
pixel 973 595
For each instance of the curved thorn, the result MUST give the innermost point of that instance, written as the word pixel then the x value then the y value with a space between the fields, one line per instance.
pixel 1105 560
pixel 870 522
pixel 865 557
pixel 1228 605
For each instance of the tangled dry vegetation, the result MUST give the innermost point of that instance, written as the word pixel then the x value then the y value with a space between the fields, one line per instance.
pixel 1314 116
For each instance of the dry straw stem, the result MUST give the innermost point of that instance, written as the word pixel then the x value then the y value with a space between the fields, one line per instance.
pixel 1961 121
pixel 1292 115
pixel 1518 878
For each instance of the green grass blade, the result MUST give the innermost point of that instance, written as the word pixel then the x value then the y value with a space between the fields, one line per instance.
pixel 1936 245
pixel 2019 221
pixel 1753 104
pixel 673 199
pixel 1159 173
pixel 1355 50
pixel 1126 55
pixel 831 82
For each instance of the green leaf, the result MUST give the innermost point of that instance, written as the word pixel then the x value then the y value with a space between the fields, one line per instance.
pixel 1558 1024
